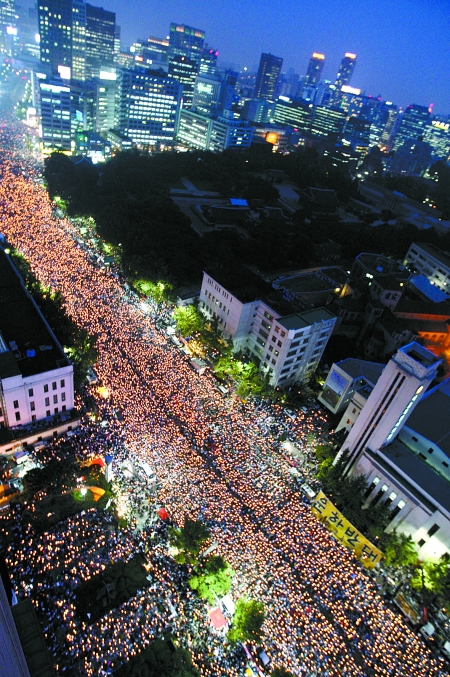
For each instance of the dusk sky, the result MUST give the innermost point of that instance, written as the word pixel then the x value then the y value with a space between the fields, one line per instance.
pixel 403 47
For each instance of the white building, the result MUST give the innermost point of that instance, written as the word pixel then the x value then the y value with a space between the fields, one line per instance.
pixel 346 378
pixel 430 261
pixel 36 378
pixel 288 347
pixel 400 443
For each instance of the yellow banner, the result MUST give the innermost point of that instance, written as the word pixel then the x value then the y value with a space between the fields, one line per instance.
pixel 344 531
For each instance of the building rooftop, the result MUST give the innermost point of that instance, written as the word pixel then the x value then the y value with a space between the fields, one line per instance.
pixel 398 461
pixel 309 317
pixel 377 263
pixel 29 346
pixel 247 287
pixel 423 286
pixel 418 307
pixel 442 256
pixel 431 417
pixel 369 371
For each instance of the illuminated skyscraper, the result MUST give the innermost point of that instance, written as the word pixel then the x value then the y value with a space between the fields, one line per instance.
pixel 315 69
pixel 148 104
pixel 100 31
pixel 186 46
pixel 8 25
pixel 186 41
pixel 208 62
pixel 55 31
pixel 267 77
pixel 345 72
pixel 413 124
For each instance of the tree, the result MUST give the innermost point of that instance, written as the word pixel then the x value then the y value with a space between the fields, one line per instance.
pixel 399 550
pixel 248 620
pixel 158 291
pixel 214 578
pixel 189 539
pixel 188 320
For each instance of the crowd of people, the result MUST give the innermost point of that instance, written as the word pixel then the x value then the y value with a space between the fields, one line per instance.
pixel 214 457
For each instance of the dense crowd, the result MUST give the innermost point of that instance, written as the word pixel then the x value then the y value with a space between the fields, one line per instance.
pixel 214 457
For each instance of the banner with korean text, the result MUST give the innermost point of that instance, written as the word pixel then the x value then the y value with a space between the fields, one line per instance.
pixel 345 532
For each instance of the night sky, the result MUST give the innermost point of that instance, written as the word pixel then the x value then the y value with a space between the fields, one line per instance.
pixel 403 46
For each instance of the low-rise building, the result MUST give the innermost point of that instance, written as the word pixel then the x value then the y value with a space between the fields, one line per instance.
pixel 287 346
pixel 431 262
pixel 36 377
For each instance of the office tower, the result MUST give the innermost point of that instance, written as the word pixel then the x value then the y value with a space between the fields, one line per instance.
pixel 388 133
pixel 296 114
pixel 315 68
pixel 8 26
pixel 55 115
pixel 437 134
pixel 228 90
pixel 345 71
pixel 116 41
pixel 147 107
pixel 105 101
pixel 206 96
pixel 395 395
pixel 413 124
pixel 155 53
pixel 185 71
pixel 186 41
pixel 208 62
pixel 55 30
pixel 267 76
pixel 328 122
pixel 412 158
pixel 100 34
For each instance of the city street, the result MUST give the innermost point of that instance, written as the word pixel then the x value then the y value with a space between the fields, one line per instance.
pixel 213 456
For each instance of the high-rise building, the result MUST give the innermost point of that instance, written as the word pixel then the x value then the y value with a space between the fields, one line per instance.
pixel 55 31
pixel 148 104
pixel 207 90
pixel 437 134
pixel 405 378
pixel 55 115
pixel 186 41
pixel 315 68
pixel 267 76
pixel 105 101
pixel 345 72
pixel 76 37
pixel 100 32
pixel 328 122
pixel 185 71
pixel 296 114
pixel 208 62
pixel 413 124
pixel 8 25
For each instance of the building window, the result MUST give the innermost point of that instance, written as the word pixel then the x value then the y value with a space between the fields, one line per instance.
pixel 55 399
pixel 47 413
pixel 46 388
pixel 432 530
pixel 270 349
pixel 63 397
pixel 32 406
pixel 421 542
pixel 17 415
pixel 30 392
pixel 54 385
pixel 277 329
pixel 279 343
pixel 283 334
pixel 47 401
pixel 33 418
pixel 56 410
pixel 62 383
pixel 16 404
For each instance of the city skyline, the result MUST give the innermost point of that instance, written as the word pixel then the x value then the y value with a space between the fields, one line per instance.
pixel 387 64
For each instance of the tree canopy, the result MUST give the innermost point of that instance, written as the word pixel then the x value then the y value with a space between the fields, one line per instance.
pixel 189 539
pixel 248 620
pixel 213 578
